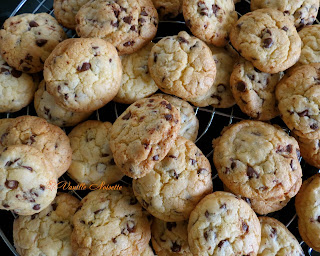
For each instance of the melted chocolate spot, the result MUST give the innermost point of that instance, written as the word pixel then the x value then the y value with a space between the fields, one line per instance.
pixel 85 66
pixel 127 116
pixel 252 173
pixel 33 24
pixel 241 86
pixel 41 42
pixel 267 43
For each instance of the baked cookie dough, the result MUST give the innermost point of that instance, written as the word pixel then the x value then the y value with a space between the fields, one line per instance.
pixel 310 49
pixel 182 65
pixel 127 24
pixel 268 39
pixel 143 135
pixel 310 150
pixel 83 82
pixel 168 9
pixel 47 232
pixel 223 224
pixel 92 159
pixel 26 40
pixel 210 20
pixel 176 184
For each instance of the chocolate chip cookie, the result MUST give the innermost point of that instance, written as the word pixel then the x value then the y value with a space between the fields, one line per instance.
pixel 127 24
pixel 26 40
pixel 268 39
pixel 209 20
pixel 310 150
pixel 182 65
pixel 143 135
pixel 168 9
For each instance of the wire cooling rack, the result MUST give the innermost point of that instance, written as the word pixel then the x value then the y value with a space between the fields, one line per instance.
pixel 211 121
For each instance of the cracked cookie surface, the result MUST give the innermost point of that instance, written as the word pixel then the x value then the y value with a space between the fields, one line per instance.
pixel 182 65
pixel 47 232
pixel 25 176
pixel 223 224
pixel 47 108
pixel 308 208
pixel 276 239
pixel 254 91
pixel 176 184
pixel 302 12
pixel 83 82
pixel 136 81
pixel 38 133
pixel 110 223
pixel 299 103
pixel 143 135
pixel 28 39
pixel 210 20
pixel 127 24
pixel 168 9
pixel 92 159
pixel 259 161
pixel 170 238
pixel 268 39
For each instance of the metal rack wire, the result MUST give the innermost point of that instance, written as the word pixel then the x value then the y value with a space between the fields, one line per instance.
pixel 211 122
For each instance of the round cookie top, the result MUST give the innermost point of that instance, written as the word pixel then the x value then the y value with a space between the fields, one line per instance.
pixel 168 9
pixel 27 179
pixel 83 82
pixel 47 231
pixel 276 239
pixel 254 91
pixel 110 223
pixel 268 39
pixel 210 20
pixel 189 121
pixel 307 208
pixel 143 135
pixel 298 97
pixel 223 224
pixel 303 12
pixel 16 88
pixel 136 81
pixel 182 65
pixel 258 161
pixel 176 184
pixel 127 24
pixel 65 11
pixel 219 95
pixel 27 40
pixel 38 133
pixel 310 50
pixel 170 238
pixel 92 159
pixel 47 108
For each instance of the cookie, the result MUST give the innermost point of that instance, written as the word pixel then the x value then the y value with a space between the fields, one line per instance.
pixel 182 65
pixel 143 135
pixel 83 82
pixel 28 39
pixel 47 108
pixel 110 223
pixel 254 91
pixel 92 159
pixel 27 178
pixel 300 12
pixel 168 9
pixel 268 39
pixel 211 21
pixel 176 184
pixel 189 121
pixel 307 208
pixel 16 88
pixel 297 94
pixel 127 24
pixel 4 124
pixel 310 49
pixel 38 133
pixel 47 232
pixel 223 224
pixel 259 161
pixel 276 239
pixel 136 81
pixel 310 150
pixel 170 238
pixel 219 95
pixel 65 11
pixel 147 252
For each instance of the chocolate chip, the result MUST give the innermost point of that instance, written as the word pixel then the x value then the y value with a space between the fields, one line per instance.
pixel 201 171
pixel 42 187
pixel 5 71
pixel 129 43
pixel 175 247
pixel 33 24
pixel 252 173
pixel 227 171
pixel 182 40
pixel 115 24
pixel 66 96
pixel 273 233
pixel 314 126
pixel 291 164
pixel 141 20
pixel 127 19
pixel 207 214
pixel 285 28
pixel 133 28
pixel 304 113
pixel 36 207
pixel 98 211
pixel 233 164
pixel 289 148
pixel 116 12
pixel 155 57
pixel 54 206
pixel 5 205
pixel 251 77
pixel 267 43
pixel 215 9
pixel 193 161
pixel 144 13
pixel 156 158
pixel 11 184
pixel 133 201
pixel 205 234
pixel 41 42
pixel 126 116
pixel 224 206
pixel 168 117
pixel 85 66
pixel 221 243
pixel 245 227
pixel 241 86
pixel 171 225
pixel 114 240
